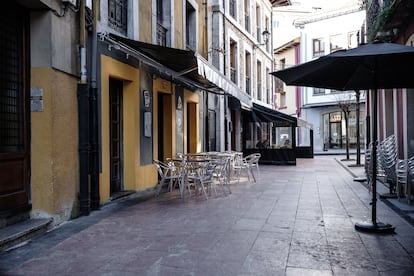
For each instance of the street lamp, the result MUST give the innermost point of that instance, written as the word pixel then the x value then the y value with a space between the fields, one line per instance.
pixel 265 35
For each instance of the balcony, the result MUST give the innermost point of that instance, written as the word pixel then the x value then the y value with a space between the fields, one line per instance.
pixel 278 85
pixel 248 90
pixel 233 75
pixel 161 35
pixel 259 91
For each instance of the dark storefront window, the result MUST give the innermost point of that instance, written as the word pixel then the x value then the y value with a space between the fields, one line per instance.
pixel 334 135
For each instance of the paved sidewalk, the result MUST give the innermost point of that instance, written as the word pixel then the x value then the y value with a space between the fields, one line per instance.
pixel 296 220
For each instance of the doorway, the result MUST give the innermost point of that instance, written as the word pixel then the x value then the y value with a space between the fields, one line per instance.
pixel 191 128
pixel 116 137
pixel 211 130
pixel 14 111
pixel 164 126
pixel 335 135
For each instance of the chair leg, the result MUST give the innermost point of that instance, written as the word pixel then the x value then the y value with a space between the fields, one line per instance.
pixel 159 187
pixel 252 173
pixel 238 175
pixel 212 186
pixel 227 183
pixel 203 189
pixel 222 184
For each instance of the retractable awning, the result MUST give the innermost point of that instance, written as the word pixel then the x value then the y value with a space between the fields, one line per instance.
pixel 208 71
pixel 183 65
pixel 263 114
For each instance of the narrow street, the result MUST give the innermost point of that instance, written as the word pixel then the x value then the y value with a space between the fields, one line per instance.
pixel 296 220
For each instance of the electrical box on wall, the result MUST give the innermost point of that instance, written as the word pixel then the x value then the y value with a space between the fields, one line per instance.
pixel 36 99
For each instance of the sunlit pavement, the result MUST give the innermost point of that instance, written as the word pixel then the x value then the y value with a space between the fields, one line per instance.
pixel 295 220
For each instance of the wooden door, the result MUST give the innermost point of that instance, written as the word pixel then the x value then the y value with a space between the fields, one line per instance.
pixel 14 109
pixel 116 139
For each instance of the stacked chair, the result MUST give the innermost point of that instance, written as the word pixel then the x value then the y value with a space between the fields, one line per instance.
pixel 388 156
pixel 405 177
pixel 369 165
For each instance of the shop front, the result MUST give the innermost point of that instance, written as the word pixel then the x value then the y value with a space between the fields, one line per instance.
pixel 270 133
pixel 334 126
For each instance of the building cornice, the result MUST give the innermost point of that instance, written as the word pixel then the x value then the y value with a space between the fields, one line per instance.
pixel 326 14
pixel 294 42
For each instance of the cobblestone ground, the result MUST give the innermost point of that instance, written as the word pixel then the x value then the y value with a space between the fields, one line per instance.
pixel 295 220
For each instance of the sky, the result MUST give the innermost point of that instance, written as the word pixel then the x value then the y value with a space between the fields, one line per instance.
pixel 283 24
pixel 318 3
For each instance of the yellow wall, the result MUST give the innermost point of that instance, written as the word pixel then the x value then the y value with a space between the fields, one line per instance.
pixel 194 140
pixel 54 145
pixel 136 177
pixel 161 86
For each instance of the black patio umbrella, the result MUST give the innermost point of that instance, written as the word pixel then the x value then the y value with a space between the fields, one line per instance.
pixel 372 66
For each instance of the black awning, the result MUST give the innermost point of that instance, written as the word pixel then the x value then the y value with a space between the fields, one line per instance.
pixel 263 114
pixel 183 62
pixel 234 103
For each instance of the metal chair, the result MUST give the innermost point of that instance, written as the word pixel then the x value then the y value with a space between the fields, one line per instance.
pixel 255 162
pixel 410 180
pixel 169 174
pixel 200 176
pixel 252 161
pixel 240 164
pixel 388 156
pixel 222 172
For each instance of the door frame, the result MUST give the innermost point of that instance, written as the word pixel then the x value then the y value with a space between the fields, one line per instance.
pixel 116 86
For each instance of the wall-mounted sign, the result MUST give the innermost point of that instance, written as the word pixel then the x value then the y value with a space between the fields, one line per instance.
pixel 179 103
pixel 147 124
pixel 36 99
pixel 147 98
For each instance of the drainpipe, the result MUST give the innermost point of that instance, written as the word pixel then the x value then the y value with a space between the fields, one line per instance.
pixel 83 119
pixel 224 70
pixel 93 119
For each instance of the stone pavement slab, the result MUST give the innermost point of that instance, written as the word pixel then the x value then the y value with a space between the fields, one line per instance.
pixel 296 220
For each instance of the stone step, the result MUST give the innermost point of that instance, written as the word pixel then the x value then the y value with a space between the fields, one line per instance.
pixel 17 233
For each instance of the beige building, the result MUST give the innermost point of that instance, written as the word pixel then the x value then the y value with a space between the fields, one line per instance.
pixel 287 98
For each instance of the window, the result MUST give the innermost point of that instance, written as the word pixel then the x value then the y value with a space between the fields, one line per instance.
pixel 161 22
pixel 268 97
pixel 282 137
pixel 233 8
pixel 191 24
pixel 268 135
pixel 318 47
pixel 247 15
pixel 118 15
pixel 283 100
pixel 335 43
pixel 352 40
pixel 233 61
pixel 259 80
pixel 248 72
pixel 282 64
pixel 258 25
pixel 318 91
pixel 267 28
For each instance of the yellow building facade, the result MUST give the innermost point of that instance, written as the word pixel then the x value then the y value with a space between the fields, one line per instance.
pixel 82 85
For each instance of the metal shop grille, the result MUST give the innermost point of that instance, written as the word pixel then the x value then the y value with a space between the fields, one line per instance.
pixel 11 83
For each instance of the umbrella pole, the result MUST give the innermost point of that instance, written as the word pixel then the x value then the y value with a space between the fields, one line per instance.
pixel 374 226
